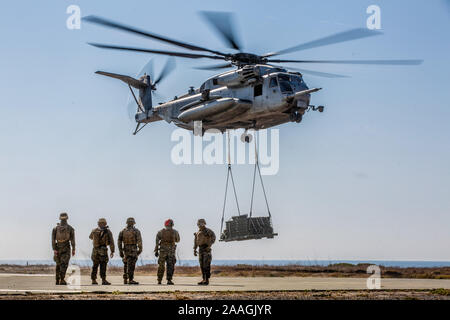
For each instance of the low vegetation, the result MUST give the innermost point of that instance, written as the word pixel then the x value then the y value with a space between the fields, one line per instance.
pixel 441 291
pixel 240 270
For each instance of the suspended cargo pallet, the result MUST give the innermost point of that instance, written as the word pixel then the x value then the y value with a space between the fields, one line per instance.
pixel 244 227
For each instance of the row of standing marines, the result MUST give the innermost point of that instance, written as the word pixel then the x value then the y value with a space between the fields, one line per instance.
pixel 130 247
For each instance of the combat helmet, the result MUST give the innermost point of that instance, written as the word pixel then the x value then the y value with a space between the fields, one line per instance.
pixel 201 222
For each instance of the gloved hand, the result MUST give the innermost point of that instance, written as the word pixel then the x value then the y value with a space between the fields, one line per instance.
pixel 121 254
pixel 139 252
pixel 195 252
pixel 156 254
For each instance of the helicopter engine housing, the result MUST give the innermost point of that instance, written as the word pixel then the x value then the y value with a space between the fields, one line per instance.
pixel 238 78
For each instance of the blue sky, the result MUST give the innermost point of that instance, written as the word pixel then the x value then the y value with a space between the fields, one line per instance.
pixel 367 179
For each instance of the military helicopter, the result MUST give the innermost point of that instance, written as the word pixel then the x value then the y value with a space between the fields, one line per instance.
pixel 255 95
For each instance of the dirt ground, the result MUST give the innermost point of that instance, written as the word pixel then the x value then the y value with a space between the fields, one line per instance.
pixel 438 294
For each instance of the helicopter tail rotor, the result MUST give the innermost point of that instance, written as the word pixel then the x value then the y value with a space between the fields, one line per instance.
pixel 143 84
pixel 146 75
pixel 146 84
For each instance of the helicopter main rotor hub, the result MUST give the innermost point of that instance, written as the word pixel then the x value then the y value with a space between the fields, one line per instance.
pixel 243 58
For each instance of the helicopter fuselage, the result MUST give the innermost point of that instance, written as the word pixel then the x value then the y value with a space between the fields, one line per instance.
pixel 255 97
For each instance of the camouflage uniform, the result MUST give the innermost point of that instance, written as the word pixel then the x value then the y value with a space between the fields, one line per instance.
pixel 101 238
pixel 63 238
pixel 166 240
pixel 203 239
pixel 130 247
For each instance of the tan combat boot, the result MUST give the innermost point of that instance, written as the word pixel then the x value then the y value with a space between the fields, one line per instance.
pixel 202 282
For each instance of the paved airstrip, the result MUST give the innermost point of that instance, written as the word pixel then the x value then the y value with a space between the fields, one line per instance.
pixel 44 283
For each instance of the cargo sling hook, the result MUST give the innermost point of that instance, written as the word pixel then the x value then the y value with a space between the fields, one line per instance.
pixel 229 173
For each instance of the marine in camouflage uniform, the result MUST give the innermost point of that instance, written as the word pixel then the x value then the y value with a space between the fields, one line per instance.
pixel 203 240
pixel 101 238
pixel 63 238
pixel 130 247
pixel 165 248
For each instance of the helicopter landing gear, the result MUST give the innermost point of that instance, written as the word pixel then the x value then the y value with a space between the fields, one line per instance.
pixel 296 117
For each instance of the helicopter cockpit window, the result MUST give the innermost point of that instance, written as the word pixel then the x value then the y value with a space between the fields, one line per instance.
pixel 202 87
pixel 284 81
pixel 297 81
pixel 273 82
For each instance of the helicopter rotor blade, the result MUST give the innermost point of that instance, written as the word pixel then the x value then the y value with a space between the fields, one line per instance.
pixel 158 96
pixel 168 53
pixel 349 35
pixel 168 68
pixel 223 24
pixel 147 69
pixel 215 67
pixel 115 25
pixel 373 62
